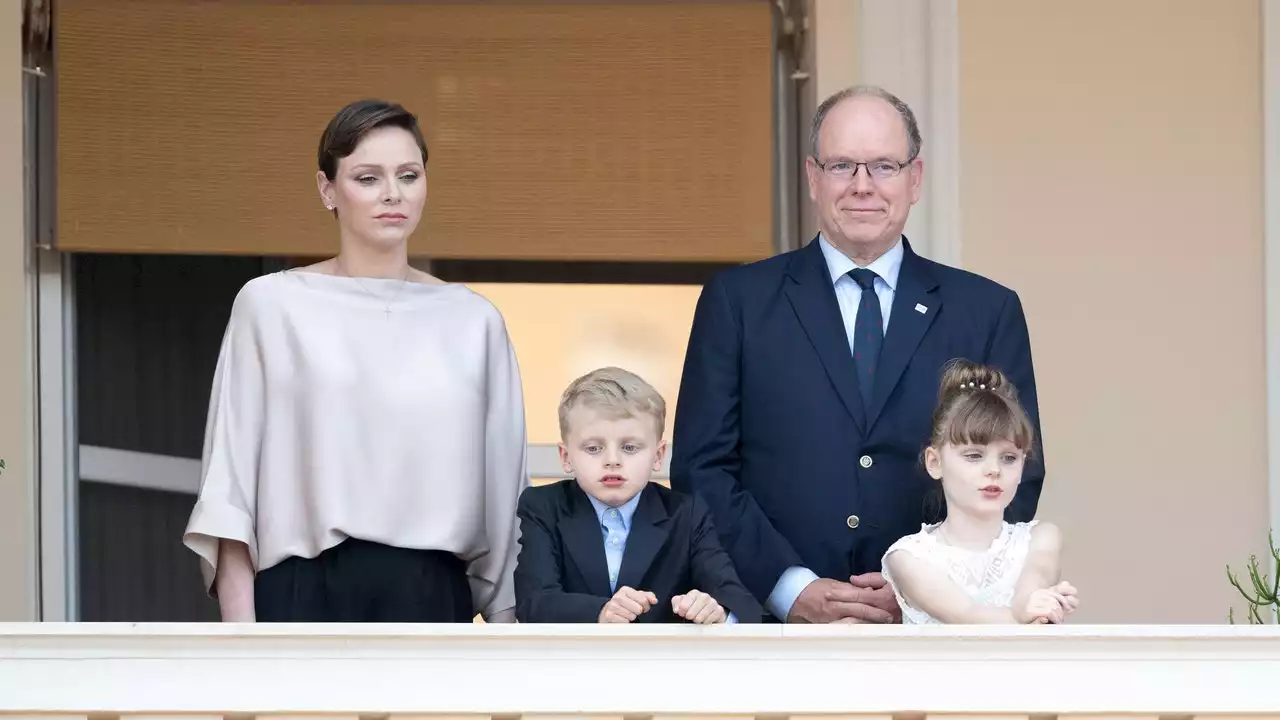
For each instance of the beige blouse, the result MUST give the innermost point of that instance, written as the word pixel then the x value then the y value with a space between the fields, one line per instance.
pixel 386 411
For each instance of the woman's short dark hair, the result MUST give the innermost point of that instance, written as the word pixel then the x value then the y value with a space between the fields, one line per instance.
pixel 349 126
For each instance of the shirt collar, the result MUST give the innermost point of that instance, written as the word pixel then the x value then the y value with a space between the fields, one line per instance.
pixel 627 509
pixel 886 266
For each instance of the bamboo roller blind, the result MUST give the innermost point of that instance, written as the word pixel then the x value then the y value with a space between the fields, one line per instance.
pixel 572 130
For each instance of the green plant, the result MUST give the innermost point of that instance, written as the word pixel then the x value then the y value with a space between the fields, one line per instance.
pixel 1264 588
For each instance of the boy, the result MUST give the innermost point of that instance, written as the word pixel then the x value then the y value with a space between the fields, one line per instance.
pixel 607 546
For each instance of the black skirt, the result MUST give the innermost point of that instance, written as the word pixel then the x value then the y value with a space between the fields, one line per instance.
pixel 359 581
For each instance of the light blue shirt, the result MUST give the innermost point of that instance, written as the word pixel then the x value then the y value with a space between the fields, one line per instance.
pixel 849 295
pixel 615 524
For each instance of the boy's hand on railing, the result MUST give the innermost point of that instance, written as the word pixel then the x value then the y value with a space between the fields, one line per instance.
pixel 626 605
pixel 698 607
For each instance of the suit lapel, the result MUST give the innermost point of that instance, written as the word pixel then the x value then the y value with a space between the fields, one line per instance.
pixel 915 305
pixel 584 542
pixel 649 530
pixel 813 297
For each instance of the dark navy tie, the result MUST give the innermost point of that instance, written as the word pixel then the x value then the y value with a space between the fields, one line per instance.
pixel 868 334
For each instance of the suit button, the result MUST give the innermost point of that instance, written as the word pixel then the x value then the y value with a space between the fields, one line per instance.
pixel 865 461
pixel 852 522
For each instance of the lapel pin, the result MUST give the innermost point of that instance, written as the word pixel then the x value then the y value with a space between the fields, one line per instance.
pixel 921 309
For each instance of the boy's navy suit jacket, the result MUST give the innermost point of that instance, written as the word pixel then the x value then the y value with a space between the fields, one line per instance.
pixel 672 547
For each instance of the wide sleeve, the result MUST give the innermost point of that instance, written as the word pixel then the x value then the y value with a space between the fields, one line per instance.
pixel 226 504
pixel 505 477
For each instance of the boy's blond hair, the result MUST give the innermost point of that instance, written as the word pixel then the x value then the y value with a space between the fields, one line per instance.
pixel 619 392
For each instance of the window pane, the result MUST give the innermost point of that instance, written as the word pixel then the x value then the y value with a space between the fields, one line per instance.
pixel 563 331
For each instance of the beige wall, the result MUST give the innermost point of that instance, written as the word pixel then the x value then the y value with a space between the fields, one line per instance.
pixel 1111 158
pixel 17 514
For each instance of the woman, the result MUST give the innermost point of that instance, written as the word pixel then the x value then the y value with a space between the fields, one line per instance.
pixel 365 445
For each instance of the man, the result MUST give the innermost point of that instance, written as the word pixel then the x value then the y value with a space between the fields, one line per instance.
pixel 811 377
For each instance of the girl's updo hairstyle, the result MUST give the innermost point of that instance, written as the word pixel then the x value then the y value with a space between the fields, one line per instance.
pixel 978 405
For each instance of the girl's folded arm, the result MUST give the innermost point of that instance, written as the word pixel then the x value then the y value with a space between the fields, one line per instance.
pixel 927 588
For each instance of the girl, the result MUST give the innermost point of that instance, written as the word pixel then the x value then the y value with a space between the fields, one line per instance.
pixel 974 567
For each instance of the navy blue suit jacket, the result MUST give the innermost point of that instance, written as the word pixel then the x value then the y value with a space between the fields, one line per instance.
pixel 770 428
pixel 562 575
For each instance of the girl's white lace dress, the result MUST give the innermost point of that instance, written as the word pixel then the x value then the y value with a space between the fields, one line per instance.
pixel 989 576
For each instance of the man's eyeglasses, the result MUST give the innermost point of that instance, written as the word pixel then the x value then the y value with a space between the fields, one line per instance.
pixel 878 169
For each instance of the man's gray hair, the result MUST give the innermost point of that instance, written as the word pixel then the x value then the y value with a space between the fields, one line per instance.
pixel 908 118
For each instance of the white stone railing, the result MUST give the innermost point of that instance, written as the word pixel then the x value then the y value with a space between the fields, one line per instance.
pixel 377 672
